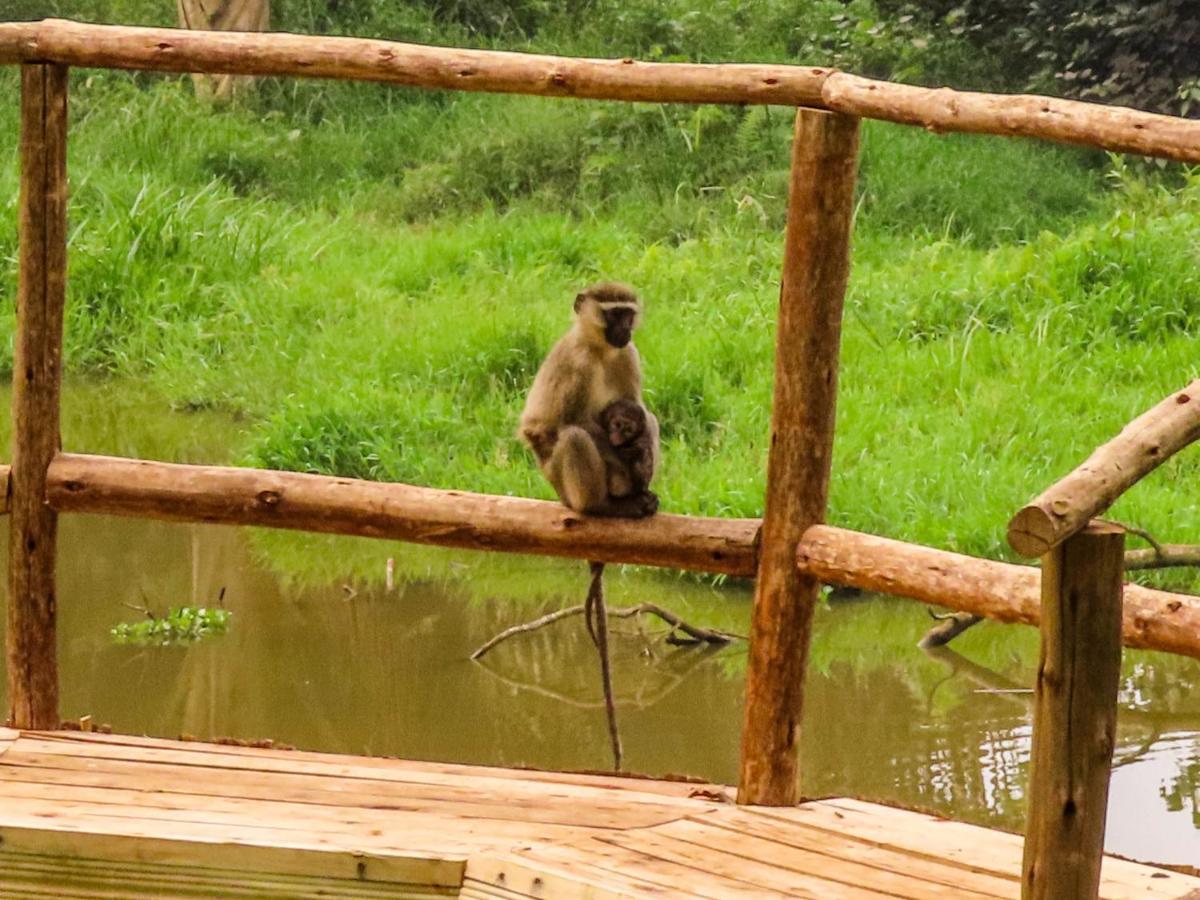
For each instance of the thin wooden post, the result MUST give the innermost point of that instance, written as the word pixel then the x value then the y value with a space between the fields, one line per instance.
pixel 1075 715
pixel 37 374
pixel 816 265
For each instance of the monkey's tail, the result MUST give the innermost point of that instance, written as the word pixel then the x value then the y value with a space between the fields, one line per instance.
pixel 596 615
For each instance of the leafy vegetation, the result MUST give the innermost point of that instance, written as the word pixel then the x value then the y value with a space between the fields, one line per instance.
pixel 184 625
pixel 368 277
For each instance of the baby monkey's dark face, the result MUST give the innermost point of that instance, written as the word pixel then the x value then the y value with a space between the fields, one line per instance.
pixel 624 421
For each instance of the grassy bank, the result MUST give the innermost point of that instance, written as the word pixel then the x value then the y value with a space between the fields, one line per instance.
pixel 369 279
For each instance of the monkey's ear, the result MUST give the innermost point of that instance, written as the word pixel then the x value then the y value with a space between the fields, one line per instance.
pixel 579 298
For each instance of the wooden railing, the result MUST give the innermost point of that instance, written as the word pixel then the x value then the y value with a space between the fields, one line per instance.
pixel 1079 665
pixel 1080 611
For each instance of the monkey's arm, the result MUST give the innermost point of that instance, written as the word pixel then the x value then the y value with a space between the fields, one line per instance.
pixel 649 457
pixel 557 389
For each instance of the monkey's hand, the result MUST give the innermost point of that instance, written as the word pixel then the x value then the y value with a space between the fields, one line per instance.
pixel 541 442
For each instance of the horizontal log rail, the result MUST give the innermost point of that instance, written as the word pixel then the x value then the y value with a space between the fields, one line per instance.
pixel 1115 128
pixel 1111 128
pixel 1152 619
pixel 1141 447
pixel 415 65
pixel 1155 620
pixel 321 503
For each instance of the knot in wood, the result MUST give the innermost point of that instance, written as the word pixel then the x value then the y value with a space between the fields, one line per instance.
pixel 1182 399
pixel 73 486
pixel 559 79
pixel 269 498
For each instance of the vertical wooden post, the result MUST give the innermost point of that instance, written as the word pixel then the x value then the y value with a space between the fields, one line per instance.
pixel 1075 714
pixel 37 374
pixel 816 265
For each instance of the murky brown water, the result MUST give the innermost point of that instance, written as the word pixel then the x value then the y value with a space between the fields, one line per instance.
pixel 320 655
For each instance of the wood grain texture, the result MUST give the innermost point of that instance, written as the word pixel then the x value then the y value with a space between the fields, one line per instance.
pixel 415 65
pixel 108 814
pixel 1141 447
pixel 1151 619
pixel 232 496
pixel 1075 715
pixel 1114 128
pixel 815 268
pixel 37 375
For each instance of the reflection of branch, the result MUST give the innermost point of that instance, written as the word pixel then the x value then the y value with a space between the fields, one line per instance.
pixel 638 702
pixel 702 635
pixel 997 685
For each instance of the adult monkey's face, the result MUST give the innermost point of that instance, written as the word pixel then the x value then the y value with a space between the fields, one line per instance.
pixel 618 325
pixel 612 310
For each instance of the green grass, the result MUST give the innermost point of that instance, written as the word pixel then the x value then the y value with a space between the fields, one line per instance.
pixel 369 277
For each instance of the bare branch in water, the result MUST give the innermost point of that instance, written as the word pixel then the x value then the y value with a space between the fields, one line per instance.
pixel 701 635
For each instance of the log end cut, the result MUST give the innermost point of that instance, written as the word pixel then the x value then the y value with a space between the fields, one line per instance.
pixel 1032 532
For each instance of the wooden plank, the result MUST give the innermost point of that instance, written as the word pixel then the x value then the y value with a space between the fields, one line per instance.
pixel 708 856
pixel 448 68
pixel 37 377
pixel 566 803
pixel 1152 619
pixel 506 876
pixel 983 849
pixel 28 875
pixel 287 803
pixel 329 505
pixel 630 786
pixel 45 828
pixel 609 862
pixel 840 861
pixel 844 842
pixel 1075 715
pixel 1092 487
pixel 582 788
pixel 816 265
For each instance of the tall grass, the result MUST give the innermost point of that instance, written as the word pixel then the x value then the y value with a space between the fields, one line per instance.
pixel 369 277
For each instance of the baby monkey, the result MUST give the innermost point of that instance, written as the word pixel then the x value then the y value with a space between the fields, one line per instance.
pixel 627 446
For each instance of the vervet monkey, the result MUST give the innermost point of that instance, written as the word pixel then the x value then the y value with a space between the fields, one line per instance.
pixel 591 366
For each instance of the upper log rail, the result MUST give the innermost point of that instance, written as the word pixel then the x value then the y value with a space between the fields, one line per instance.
pixel 1142 446
pixel 1112 128
pixel 414 65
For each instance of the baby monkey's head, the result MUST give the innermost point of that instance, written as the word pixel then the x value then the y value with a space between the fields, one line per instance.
pixel 623 421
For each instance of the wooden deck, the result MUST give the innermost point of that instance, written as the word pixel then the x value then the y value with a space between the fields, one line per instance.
pixel 113 816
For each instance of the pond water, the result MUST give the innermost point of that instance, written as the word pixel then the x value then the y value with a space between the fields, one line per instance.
pixel 321 655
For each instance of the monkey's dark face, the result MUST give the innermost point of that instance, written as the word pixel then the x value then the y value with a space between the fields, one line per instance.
pixel 619 322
